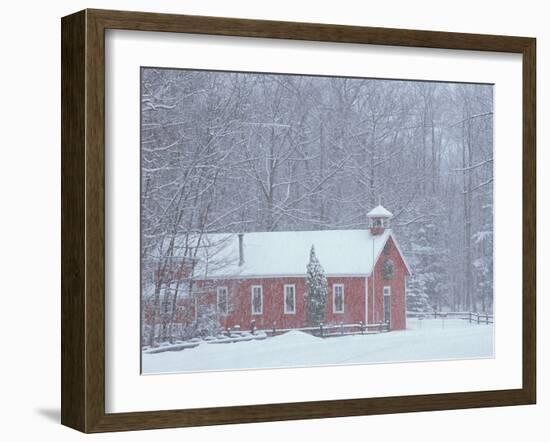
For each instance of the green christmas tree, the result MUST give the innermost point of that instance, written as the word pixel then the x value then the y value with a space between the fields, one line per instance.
pixel 316 296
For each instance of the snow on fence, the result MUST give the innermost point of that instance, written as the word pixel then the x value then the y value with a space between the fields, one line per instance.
pixel 227 338
pixel 171 347
pixel 239 337
pixel 471 317
pixel 330 330
pixel 235 334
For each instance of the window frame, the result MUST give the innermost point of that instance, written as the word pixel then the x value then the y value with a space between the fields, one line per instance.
pixel 384 296
pixel 218 290
pixel 289 312
pixel 388 262
pixel 252 288
pixel 334 287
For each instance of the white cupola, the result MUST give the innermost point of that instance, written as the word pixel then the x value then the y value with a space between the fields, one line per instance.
pixel 379 219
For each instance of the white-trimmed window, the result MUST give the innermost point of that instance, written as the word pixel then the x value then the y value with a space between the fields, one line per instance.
pixel 387 303
pixel 257 296
pixel 338 298
pixel 222 301
pixel 290 299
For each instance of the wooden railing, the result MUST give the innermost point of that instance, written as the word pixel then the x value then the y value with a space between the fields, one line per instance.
pixel 236 334
pixel 471 317
pixel 330 330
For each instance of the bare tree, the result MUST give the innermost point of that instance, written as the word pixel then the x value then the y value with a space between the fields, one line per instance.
pixel 230 152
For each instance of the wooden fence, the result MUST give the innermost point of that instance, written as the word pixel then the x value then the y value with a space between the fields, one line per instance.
pixel 236 334
pixel 331 330
pixel 471 317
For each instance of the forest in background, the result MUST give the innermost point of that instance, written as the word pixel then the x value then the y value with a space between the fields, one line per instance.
pixel 242 152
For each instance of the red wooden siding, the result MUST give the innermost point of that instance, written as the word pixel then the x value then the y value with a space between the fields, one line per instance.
pixel 354 300
pixel 240 298
pixel 273 302
pixel 397 284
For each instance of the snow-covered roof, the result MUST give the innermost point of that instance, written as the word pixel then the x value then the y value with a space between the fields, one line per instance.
pixel 380 211
pixel 340 252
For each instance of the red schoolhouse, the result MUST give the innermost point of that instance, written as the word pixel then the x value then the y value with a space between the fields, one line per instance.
pixel 261 277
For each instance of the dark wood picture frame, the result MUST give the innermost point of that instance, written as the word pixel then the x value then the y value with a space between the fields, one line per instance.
pixel 83 220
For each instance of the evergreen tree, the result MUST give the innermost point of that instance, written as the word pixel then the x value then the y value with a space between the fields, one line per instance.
pixel 316 296
pixel 427 289
pixel 417 299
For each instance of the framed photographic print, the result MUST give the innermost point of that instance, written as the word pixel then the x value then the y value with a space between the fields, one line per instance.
pixel 270 220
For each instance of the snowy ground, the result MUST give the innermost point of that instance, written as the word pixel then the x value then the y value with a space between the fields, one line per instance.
pixel 429 339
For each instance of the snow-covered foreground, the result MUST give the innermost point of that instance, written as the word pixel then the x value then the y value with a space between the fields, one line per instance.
pixel 429 339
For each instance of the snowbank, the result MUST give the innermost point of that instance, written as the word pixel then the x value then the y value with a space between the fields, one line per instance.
pixel 429 339
pixel 295 337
